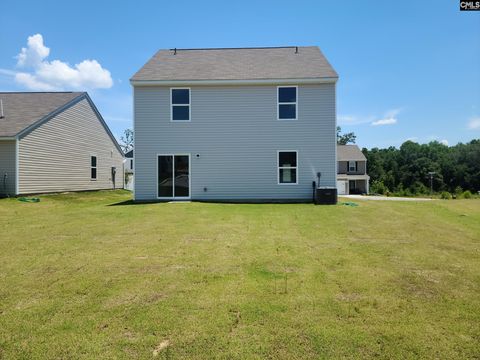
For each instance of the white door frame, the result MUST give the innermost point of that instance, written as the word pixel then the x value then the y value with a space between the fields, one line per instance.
pixel 173 177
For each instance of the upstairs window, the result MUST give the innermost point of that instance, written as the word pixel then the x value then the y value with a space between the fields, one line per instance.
pixel 352 166
pixel 93 167
pixel 287 102
pixel 287 167
pixel 180 104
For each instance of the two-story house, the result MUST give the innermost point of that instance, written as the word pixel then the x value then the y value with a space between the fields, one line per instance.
pixel 352 175
pixel 236 124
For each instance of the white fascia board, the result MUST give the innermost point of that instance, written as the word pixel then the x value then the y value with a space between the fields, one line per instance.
pixel 233 82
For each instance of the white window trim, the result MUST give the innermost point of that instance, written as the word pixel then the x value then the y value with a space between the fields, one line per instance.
pixel 189 104
pixel 287 103
pixel 354 166
pixel 173 183
pixel 287 167
pixel 93 167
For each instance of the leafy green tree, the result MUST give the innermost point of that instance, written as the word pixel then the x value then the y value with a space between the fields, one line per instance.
pixel 126 140
pixel 406 170
pixel 344 139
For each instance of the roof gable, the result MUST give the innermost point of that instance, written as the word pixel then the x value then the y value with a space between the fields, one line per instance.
pixel 21 110
pixel 350 153
pixel 24 111
pixel 236 64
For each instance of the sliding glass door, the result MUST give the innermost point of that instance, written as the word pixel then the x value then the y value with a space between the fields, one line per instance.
pixel 173 176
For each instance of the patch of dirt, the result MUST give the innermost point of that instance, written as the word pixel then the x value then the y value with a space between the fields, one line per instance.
pixel 123 299
pixel 418 285
pixel 351 297
pixel 177 267
pixel 191 238
pixel 25 304
pixel 163 345
pixel 129 335
pixel 236 319
pixel 103 326
pixel 153 298
pixel 132 299
pixel 428 275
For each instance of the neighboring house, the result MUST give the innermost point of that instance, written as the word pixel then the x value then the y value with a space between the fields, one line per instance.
pixel 352 175
pixel 240 124
pixel 129 175
pixel 129 161
pixel 54 142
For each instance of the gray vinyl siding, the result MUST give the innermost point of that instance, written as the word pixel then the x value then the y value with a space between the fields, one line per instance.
pixel 7 167
pixel 343 168
pixel 55 156
pixel 235 131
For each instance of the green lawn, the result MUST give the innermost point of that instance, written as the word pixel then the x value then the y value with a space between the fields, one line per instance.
pixel 80 278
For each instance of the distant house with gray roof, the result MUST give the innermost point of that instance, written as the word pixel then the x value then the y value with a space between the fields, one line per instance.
pixel 55 142
pixel 352 175
pixel 234 124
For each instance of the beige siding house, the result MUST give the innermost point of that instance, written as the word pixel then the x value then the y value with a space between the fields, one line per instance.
pixel 55 142
pixel 352 175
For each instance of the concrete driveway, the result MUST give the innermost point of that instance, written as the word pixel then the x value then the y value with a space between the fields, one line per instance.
pixel 388 198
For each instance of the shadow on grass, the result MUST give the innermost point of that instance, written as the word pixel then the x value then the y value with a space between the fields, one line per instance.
pixel 231 202
pixel 127 202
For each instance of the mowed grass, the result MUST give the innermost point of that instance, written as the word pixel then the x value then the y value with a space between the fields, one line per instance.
pixel 83 279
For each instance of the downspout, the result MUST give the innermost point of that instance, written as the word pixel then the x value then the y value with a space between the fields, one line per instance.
pixel 5 176
pixel 17 160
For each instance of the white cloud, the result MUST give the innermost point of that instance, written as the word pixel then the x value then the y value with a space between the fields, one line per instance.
pixel 353 120
pixel 34 53
pixel 47 75
pixel 32 82
pixel 474 123
pixel 444 142
pixel 389 121
pixel 392 113
pixel 390 118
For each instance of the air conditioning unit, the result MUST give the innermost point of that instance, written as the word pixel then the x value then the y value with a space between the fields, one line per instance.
pixel 326 196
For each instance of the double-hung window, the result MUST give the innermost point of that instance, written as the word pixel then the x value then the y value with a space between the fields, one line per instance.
pixel 287 102
pixel 287 167
pixel 93 167
pixel 352 166
pixel 180 104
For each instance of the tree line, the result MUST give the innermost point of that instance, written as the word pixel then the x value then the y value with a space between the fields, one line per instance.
pixel 414 167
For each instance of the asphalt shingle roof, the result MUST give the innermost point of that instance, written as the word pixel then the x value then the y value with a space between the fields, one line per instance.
pixel 22 110
pixel 237 64
pixel 349 153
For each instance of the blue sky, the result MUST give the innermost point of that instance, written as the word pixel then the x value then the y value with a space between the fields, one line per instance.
pixel 412 68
